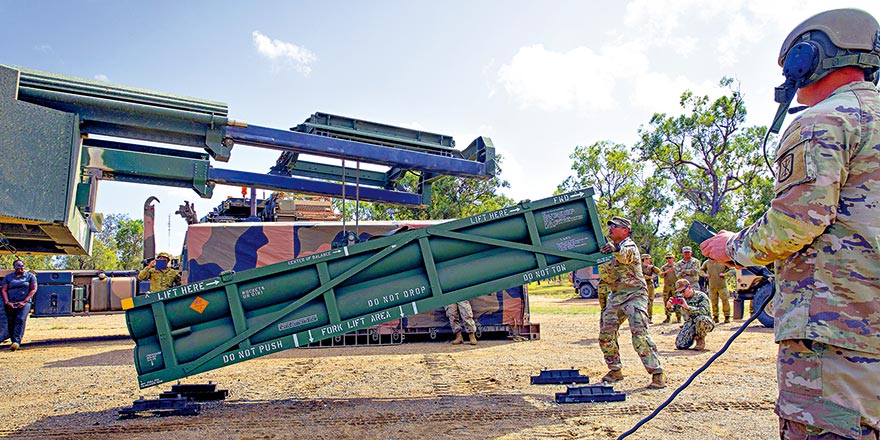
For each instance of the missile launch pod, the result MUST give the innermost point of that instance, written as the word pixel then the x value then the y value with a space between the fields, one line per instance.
pixel 236 317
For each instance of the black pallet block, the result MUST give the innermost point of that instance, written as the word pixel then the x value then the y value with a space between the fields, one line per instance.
pixel 559 377
pixel 199 392
pixel 590 393
pixel 175 406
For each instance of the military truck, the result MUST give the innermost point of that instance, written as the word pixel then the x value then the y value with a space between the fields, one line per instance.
pixel 586 282
pixel 755 283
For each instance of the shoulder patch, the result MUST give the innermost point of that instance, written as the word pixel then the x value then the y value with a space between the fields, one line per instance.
pixel 793 164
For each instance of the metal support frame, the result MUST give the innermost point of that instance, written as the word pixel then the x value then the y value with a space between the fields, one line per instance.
pixel 367 153
pixel 54 121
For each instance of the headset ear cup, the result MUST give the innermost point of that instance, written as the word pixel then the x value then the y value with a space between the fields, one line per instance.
pixel 801 62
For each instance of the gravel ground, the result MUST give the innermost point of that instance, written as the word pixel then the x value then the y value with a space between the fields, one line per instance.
pixel 73 375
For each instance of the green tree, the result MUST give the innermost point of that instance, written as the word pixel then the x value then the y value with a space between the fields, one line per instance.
pixel 617 177
pixel 129 238
pixel 647 211
pixel 105 253
pixel 707 151
pixel 451 197
pixel 610 170
pixel 103 256
pixel 36 262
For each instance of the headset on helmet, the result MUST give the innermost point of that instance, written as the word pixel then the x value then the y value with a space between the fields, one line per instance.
pixel 820 45
pixel 826 42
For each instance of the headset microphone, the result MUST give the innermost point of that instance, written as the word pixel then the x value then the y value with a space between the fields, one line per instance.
pixel 799 65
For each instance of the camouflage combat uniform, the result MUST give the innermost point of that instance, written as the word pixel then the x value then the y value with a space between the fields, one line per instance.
pixel 629 298
pixel 715 271
pixel 604 286
pixel 461 312
pixel 697 322
pixel 688 270
pixel 649 270
pixel 669 279
pixel 823 233
pixel 160 279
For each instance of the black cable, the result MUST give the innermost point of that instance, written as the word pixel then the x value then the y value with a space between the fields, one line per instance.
pixel 678 390
pixel 764 149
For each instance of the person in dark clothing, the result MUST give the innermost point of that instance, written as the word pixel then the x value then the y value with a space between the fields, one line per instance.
pixel 18 289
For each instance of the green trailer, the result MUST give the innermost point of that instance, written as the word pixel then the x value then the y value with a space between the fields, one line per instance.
pixel 236 317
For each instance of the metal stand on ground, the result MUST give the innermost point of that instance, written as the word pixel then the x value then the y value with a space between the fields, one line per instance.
pixel 559 377
pixel 590 393
pixel 180 401
pixel 577 394
pixel 162 407
pixel 199 392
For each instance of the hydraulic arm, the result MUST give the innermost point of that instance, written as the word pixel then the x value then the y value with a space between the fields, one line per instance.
pixel 68 133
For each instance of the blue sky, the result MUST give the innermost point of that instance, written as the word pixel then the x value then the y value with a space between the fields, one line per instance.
pixel 538 78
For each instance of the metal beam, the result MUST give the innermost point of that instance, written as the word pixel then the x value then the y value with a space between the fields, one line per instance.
pixel 344 149
pixel 307 186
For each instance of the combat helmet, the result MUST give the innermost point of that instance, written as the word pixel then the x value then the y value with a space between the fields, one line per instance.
pixel 829 41
pixel 165 255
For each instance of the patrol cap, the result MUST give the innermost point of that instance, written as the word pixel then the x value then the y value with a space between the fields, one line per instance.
pixel 670 256
pixel 680 285
pixel 686 249
pixel 164 255
pixel 646 256
pixel 620 221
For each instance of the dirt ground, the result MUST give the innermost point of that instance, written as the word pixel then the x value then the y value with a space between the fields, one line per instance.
pixel 73 375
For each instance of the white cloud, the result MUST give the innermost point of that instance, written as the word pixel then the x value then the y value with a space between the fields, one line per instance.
pixel 659 93
pixel 102 77
pixel 288 54
pixel 44 47
pixel 735 25
pixel 586 79
pixel 579 79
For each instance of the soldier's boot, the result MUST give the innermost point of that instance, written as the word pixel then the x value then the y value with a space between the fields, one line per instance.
pixel 613 376
pixel 666 321
pixel 715 318
pixel 658 380
pixel 678 319
pixel 458 339
pixel 472 339
pixel 727 319
pixel 701 344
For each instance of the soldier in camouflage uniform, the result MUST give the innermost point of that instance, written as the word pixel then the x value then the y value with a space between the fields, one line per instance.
pixel 163 278
pixel 604 283
pixel 458 313
pixel 688 268
pixel 628 297
pixel 822 232
pixel 649 270
pixel 715 272
pixel 669 279
pixel 694 305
